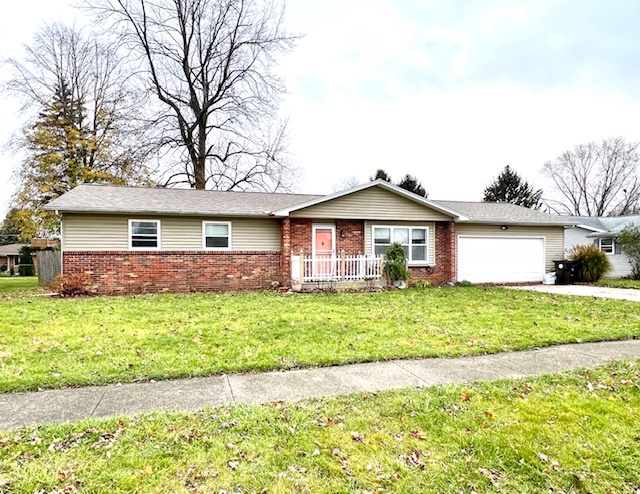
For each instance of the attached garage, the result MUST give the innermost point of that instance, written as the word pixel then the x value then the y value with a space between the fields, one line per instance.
pixel 501 259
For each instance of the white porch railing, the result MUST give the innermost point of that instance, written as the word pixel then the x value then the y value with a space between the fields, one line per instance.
pixel 335 268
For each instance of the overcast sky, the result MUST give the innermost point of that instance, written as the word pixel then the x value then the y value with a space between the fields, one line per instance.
pixel 450 91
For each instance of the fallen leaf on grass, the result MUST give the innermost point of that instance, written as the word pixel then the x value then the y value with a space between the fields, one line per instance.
pixel 296 468
pixel 65 475
pixel 419 435
pixel 491 475
pixel 147 471
pixel 357 437
pixel 413 459
pixel 233 464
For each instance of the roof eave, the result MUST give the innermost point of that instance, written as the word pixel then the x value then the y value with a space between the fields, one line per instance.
pixel 142 212
pixel 519 223
pixel 590 228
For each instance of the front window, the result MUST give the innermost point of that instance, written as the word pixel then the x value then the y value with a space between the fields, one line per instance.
pixel 144 234
pixel 412 239
pixel 607 245
pixel 216 235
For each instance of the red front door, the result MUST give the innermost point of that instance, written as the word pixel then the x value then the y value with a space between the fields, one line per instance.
pixel 323 252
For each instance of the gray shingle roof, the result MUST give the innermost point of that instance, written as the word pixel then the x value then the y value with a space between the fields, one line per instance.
pixel 610 224
pixel 502 212
pixel 116 199
pixel 11 249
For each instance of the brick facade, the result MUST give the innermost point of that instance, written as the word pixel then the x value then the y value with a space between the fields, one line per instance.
pixel 350 237
pixel 113 272
pixel 301 234
pixel 445 268
pixel 179 271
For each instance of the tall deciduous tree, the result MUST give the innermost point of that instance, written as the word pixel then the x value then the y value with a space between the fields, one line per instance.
pixel 210 65
pixel 596 179
pixel 510 187
pixel 82 127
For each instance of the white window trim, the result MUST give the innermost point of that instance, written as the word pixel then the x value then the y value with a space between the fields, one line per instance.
pixel 613 246
pixel 159 235
pixel 410 262
pixel 204 236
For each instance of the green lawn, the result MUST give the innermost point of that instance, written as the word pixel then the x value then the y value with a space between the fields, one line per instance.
pixel 18 284
pixel 620 283
pixel 574 432
pixel 48 343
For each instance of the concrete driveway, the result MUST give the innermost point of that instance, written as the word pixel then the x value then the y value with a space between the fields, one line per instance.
pixel 585 291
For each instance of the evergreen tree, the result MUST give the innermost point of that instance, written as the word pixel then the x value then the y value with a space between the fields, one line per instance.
pixel 410 183
pixel 62 153
pixel 10 229
pixel 26 267
pixel 381 174
pixel 510 187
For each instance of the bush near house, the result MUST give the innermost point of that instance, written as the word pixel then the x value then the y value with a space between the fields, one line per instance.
pixel 629 239
pixel 593 264
pixel 395 266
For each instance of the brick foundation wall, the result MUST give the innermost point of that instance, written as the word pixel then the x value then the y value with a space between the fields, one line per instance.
pixel 445 268
pixel 122 272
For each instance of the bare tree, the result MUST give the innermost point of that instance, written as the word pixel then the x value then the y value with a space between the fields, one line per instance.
pixel 80 122
pixel 90 72
pixel 596 179
pixel 210 64
pixel 344 183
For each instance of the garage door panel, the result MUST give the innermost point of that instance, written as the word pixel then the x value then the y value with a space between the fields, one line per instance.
pixel 500 259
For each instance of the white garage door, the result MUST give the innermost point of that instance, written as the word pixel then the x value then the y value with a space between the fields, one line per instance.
pixel 500 259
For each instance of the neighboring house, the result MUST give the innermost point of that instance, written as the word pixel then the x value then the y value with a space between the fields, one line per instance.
pixel 10 257
pixel 128 239
pixel 602 231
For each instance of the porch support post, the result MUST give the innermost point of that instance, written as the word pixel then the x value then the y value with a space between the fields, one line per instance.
pixel 285 250
pixel 301 266
pixel 342 266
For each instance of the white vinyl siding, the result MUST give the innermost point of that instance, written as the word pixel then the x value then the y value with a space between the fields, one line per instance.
pixel 94 232
pixel 431 238
pixel 86 232
pixel 372 204
pixel 619 261
pixel 553 236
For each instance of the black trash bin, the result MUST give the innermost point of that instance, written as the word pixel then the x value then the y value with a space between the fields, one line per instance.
pixel 576 276
pixel 563 272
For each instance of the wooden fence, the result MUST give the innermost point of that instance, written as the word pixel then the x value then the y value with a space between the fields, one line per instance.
pixel 49 265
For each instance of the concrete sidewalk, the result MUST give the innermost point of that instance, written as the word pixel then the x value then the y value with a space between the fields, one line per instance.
pixel 584 291
pixel 21 409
